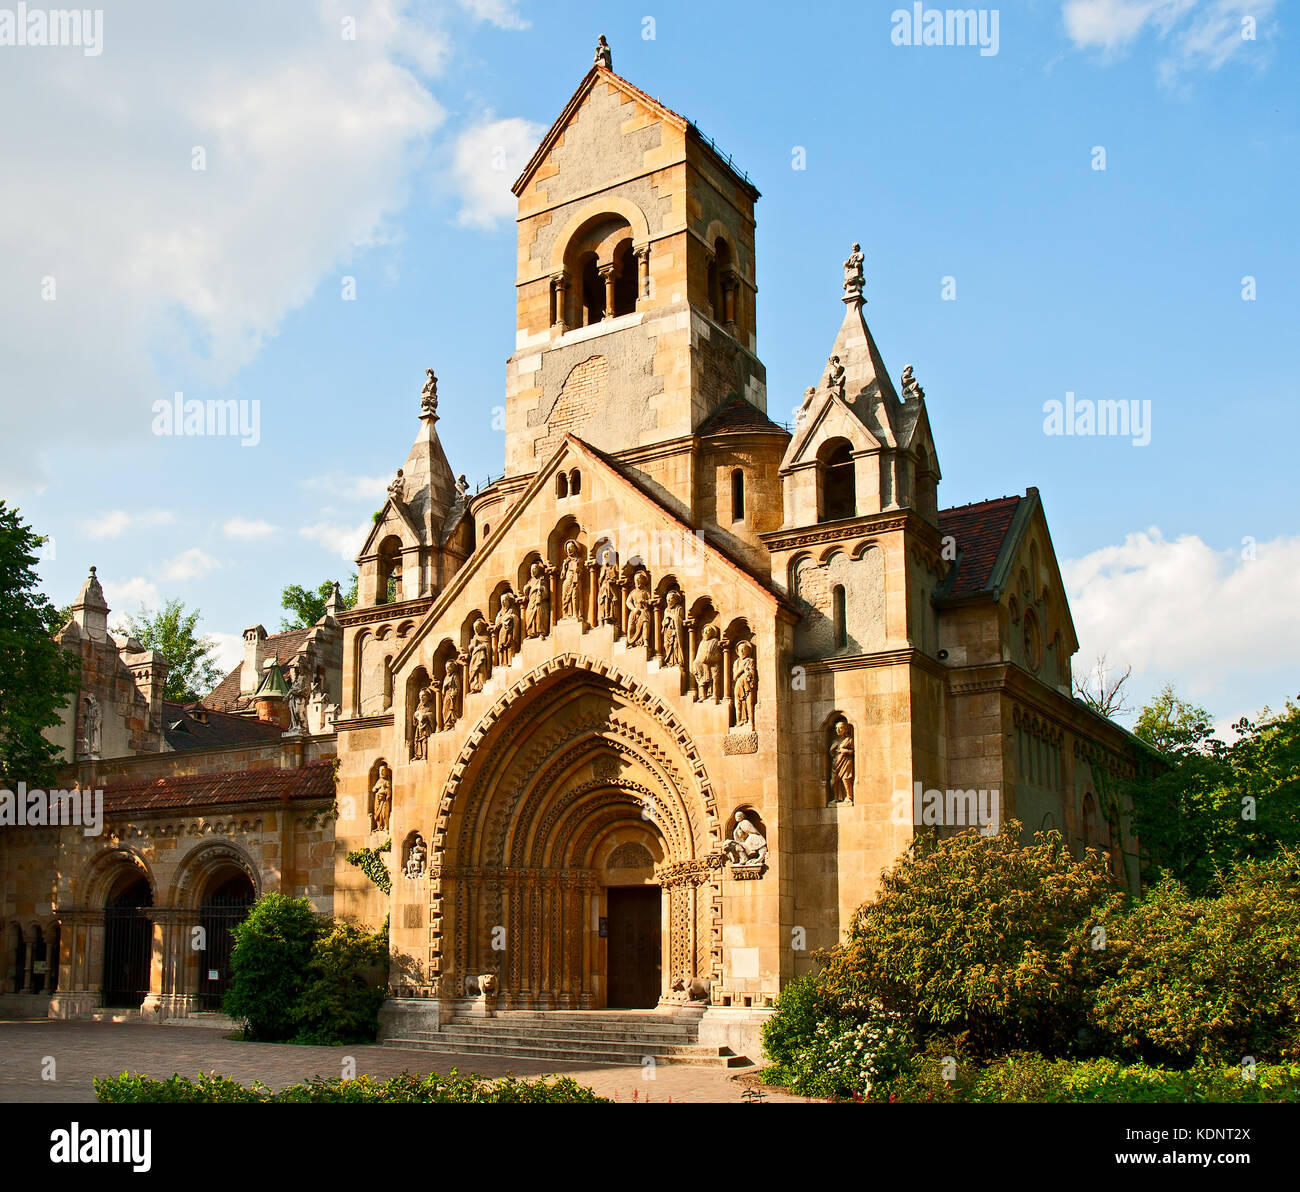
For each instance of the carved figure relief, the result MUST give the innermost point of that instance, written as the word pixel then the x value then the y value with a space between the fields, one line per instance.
pixel 423 722
pixel 835 376
pixel 571 582
pixel 842 762
pixel 479 669
pixel 429 395
pixel 672 629
pixel 417 856
pixel 92 725
pixel 507 629
pixel 638 609
pixel 382 805
pixel 853 275
pixel 609 590
pixel 397 488
pixel 708 661
pixel 744 684
pixel 450 697
pixel 747 846
pixel 537 603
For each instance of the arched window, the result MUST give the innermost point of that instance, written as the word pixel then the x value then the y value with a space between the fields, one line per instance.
pixel 839 491
pixel 562 486
pixel 625 279
pixel 575 482
pixel 593 291
pixel 719 270
pixel 389 588
pixel 839 618
pixel 737 495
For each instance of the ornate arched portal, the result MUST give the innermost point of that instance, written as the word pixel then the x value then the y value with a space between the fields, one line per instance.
pixel 574 771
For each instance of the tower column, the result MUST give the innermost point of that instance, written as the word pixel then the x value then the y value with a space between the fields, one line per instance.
pixel 607 276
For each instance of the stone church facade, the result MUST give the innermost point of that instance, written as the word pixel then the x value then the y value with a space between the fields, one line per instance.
pixel 642 721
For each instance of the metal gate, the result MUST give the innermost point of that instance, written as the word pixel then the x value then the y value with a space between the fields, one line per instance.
pixel 218 917
pixel 128 939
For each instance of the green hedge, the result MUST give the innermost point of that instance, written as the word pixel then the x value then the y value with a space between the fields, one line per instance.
pixel 406 1089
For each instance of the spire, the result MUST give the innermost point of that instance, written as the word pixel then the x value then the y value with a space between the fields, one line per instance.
pixel 90 612
pixel 334 605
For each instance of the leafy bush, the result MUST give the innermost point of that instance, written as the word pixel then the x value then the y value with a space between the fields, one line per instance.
pixel 347 980
pixel 1029 1077
pixel 978 936
pixel 790 1028
pixel 269 964
pixel 1207 978
pixel 406 1089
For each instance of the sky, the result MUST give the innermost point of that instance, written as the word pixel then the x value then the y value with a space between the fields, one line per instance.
pixel 301 206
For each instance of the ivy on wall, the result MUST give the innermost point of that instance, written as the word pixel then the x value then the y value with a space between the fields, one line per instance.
pixel 371 863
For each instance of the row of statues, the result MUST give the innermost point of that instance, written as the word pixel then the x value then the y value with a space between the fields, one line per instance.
pixel 625 601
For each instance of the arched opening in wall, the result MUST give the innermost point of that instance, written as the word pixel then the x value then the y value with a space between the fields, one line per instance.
pixel 839 617
pixel 719 268
pixel 737 495
pixel 226 903
pixel 839 498
pixel 390 571
pixel 593 290
pixel 486 531
pixel 575 482
pixel 416 682
pixel 625 278
pixel 128 936
pixel 388 681
pixel 562 485
pixel 39 965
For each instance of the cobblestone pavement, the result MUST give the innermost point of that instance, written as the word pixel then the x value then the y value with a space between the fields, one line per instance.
pixel 82 1050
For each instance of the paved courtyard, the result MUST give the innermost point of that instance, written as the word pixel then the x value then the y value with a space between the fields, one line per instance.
pixel 82 1050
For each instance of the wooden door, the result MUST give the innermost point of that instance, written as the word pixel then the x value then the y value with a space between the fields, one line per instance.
pixel 634 972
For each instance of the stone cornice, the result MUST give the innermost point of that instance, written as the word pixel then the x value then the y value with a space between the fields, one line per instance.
pixel 840 531
pixel 386 612
pixel 353 723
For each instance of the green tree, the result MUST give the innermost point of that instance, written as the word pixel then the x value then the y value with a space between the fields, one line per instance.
pixel 308 607
pixel 977 936
pixel 347 980
pixel 191 669
pixel 36 675
pixel 1173 725
pixel 269 965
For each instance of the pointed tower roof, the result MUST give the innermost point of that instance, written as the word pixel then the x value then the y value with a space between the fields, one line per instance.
pixel 90 610
pixel 273 684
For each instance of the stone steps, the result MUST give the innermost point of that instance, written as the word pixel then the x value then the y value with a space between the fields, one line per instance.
pixel 712 1057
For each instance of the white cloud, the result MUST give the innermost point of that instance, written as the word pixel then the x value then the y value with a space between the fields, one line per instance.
pixel 118 252
pixel 238 527
pixel 1208 620
pixel 116 522
pixel 488 158
pixel 350 488
pixel 340 539
pixel 130 595
pixel 228 650
pixel 501 13
pixel 1195 34
pixel 189 564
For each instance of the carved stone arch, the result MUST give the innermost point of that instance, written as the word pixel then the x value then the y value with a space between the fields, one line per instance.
pixel 105 870
pixel 209 860
pixel 860 549
pixel 607 205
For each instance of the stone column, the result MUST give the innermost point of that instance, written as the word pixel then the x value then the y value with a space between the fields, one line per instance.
pixel 643 270
pixel 730 283
pixel 655 629
pixel 722 690
pixel 559 295
pixel 607 276
pixel 30 935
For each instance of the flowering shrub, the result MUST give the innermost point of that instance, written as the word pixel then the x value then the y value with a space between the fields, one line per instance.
pixel 846 1058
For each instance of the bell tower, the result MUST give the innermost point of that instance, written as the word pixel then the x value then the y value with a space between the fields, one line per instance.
pixel 635 286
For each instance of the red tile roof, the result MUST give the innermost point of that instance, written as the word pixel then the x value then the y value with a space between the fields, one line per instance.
pixel 978 530
pixel 190 791
pixel 225 697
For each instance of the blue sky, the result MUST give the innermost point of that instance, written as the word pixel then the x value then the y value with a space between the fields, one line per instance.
pixel 387 158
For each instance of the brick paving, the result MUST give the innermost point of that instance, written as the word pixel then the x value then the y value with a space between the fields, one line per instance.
pixel 82 1050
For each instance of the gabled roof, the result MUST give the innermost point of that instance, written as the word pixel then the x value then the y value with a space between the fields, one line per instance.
pixel 979 531
pixel 188 791
pixel 665 113
pixel 195 726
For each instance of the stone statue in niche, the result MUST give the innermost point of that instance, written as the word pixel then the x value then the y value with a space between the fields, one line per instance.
pixel 609 590
pixel 747 846
pixel 638 609
pixel 299 694
pixel 507 629
pixel 416 858
pixel 397 489
pixel 673 629
pixel 744 684
pixel 382 807
pixel 480 656
pixel 708 660
pixel 537 603
pixel 853 275
pixel 450 697
pixel 92 726
pixel 835 376
pixel 423 722
pixel 571 582
pixel 842 764
pixel 429 395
